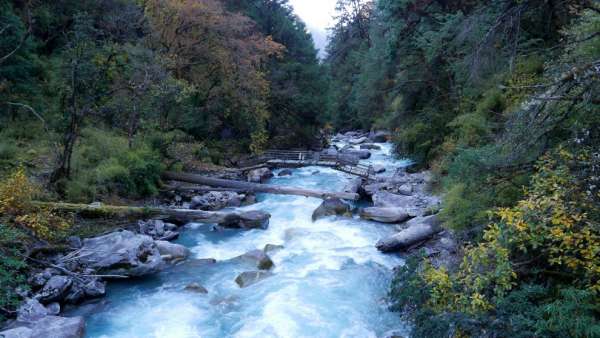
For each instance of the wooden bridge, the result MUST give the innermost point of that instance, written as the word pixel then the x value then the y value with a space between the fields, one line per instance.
pixel 291 158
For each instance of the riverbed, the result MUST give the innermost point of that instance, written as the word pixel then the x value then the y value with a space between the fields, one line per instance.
pixel 328 280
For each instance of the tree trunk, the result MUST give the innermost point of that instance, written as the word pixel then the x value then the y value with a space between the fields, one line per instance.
pixel 255 187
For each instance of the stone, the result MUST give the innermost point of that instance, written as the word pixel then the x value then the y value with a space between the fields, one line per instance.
pixel 122 253
pixel 53 309
pixel 378 169
pixel 386 199
pixel 175 252
pixel 259 175
pixel 331 207
pixel 249 200
pixel 353 186
pixel 248 278
pixel 362 154
pixel 59 327
pixel 379 136
pixel 31 310
pixel 370 146
pixel 254 219
pixel 285 172
pixel 169 236
pixel 359 140
pixel 385 215
pixel 196 288
pixel 18 332
pixel 55 289
pixel 157 229
pixel 257 258
pixel 216 200
pixel 405 189
pixel 272 247
pixel 74 242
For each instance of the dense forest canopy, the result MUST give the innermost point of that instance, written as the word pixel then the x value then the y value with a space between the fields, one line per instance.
pixel 499 99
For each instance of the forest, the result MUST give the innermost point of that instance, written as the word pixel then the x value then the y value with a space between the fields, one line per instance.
pixel 500 100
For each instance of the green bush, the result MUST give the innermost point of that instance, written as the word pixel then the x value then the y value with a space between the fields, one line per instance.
pixel 12 268
pixel 8 149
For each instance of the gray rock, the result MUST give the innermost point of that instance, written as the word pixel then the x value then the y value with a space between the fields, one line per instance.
pixel 359 140
pixel 362 154
pixel 169 236
pixel 216 200
pixel 74 242
pixel 272 247
pixel 31 310
pixel 55 289
pixel 94 288
pixel 379 136
pixel 378 169
pixel 370 146
pixel 196 288
pixel 353 186
pixel 249 199
pixel 248 278
pixel 172 251
pixel 257 258
pixel 59 327
pixel 157 229
pixel 122 253
pixel 384 199
pixel 385 215
pixel 254 219
pixel 405 189
pixel 331 207
pixel 18 332
pixel 53 309
pixel 285 172
pixel 259 175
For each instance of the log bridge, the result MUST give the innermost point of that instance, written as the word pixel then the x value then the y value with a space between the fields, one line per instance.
pixel 294 159
pixel 256 187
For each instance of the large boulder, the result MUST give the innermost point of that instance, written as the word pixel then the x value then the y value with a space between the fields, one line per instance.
pixel 55 289
pixel 257 258
pixel 359 140
pixel 157 229
pixel 331 207
pixel 254 219
pixel 370 146
pixel 196 288
pixel 122 253
pixel 216 200
pixel 31 310
pixel 85 288
pixel 385 215
pixel 353 186
pixel 384 199
pixel 362 154
pixel 419 230
pixel 48 327
pixel 248 278
pixel 285 172
pixel 379 136
pixel 259 175
pixel 172 252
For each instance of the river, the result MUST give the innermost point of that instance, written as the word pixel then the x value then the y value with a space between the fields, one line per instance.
pixel 328 280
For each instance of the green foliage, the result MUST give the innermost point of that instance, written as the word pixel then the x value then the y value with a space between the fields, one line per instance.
pixel 12 268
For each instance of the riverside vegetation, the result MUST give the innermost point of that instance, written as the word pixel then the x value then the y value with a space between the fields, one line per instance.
pixel 500 99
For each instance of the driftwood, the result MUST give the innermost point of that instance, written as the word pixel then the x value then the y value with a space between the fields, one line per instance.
pixel 255 187
pixel 408 237
pixel 175 215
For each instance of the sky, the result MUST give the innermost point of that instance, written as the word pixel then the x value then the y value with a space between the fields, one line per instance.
pixel 318 15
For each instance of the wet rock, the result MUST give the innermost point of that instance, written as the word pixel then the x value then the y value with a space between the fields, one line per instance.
pixel 169 236
pixel 359 140
pixel 353 186
pixel 405 189
pixel 39 279
pixel 379 136
pixel 19 332
pixel 385 215
pixel 378 169
pixel 196 288
pixel 59 327
pixel 248 278
pixel 53 309
pixel 259 175
pixel 272 248
pixel 74 242
pixel 370 146
pixel 216 200
pixel 393 334
pixel 171 251
pixel 249 199
pixel 257 258
pixel 254 219
pixel 362 154
pixel 285 172
pixel 158 229
pixel 122 253
pixel 331 207
pixel 384 199
pixel 55 289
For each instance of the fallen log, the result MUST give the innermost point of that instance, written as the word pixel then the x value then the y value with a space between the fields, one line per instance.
pixel 420 230
pixel 256 187
pixel 242 219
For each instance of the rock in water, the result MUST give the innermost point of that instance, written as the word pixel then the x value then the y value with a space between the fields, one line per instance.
pixel 378 169
pixel 196 288
pixel 248 278
pixel 384 199
pixel 31 310
pixel 272 247
pixel 370 146
pixel 48 327
pixel 258 258
pixel 385 215
pixel 362 154
pixel 331 207
pixel 254 219
pixel 379 136
pixel 359 140
pixel 285 172
pixel 216 200
pixel 174 252
pixel 122 253
pixel 259 175
pixel 55 289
